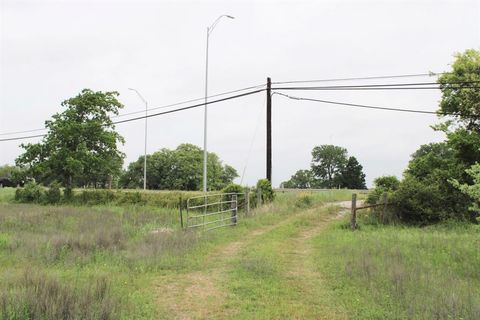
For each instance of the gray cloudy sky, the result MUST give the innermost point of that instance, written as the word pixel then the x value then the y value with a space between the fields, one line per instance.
pixel 50 50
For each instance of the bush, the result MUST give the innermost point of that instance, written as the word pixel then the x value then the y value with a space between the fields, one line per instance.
pixel 420 202
pixel 233 188
pixel 266 190
pixel 304 200
pixel 32 192
pixel 383 184
pixel 53 195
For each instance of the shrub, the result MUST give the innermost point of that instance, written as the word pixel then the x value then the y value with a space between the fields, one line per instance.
pixel 383 184
pixel 32 192
pixel 266 190
pixel 233 188
pixel 421 202
pixel 304 200
pixel 53 195
pixel 93 197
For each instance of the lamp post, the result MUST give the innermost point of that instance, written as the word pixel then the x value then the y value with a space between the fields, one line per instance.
pixel 145 149
pixel 209 31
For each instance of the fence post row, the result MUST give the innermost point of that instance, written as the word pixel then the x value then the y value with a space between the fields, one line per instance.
pixel 353 222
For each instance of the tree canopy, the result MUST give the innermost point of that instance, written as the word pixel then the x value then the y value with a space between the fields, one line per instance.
pixel 327 163
pixel 81 146
pixel 458 100
pixel 178 169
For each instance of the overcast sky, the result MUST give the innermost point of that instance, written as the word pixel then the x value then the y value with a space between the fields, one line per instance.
pixel 51 50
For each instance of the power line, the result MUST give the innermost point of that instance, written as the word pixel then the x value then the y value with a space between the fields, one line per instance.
pixel 374 87
pixel 430 74
pixel 23 138
pixel 192 100
pixel 436 84
pixel 150 109
pixel 157 114
pixel 365 106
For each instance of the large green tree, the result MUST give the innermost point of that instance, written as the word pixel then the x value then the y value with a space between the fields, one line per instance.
pixel 327 164
pixel 81 146
pixel 179 169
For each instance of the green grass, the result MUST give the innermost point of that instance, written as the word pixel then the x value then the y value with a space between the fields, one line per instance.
pixel 124 248
pixel 385 272
pixel 7 194
pixel 109 262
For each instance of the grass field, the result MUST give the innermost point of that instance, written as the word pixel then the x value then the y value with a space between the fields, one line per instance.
pixel 384 272
pixel 292 258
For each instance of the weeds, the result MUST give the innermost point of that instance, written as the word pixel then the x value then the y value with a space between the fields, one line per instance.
pixel 38 295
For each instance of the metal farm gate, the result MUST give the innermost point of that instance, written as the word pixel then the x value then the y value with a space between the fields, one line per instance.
pixel 214 211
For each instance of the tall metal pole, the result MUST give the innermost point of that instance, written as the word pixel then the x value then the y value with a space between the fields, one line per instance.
pixel 269 130
pixel 205 154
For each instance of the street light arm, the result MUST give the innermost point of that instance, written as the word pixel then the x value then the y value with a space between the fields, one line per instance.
pixel 214 24
pixel 139 95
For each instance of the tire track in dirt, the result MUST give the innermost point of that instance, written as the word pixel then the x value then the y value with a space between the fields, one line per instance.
pixel 198 295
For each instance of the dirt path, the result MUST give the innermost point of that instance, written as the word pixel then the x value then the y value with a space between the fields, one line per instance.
pixel 202 295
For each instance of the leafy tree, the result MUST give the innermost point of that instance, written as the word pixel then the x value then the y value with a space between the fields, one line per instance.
pixel 179 169
pixel 352 176
pixel 472 190
pixel 464 103
pixel 80 147
pixel 328 161
pixel 390 183
pixel 382 185
pixel 302 179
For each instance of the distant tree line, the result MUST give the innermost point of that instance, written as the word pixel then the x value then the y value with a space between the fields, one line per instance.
pixel 178 169
pixel 331 167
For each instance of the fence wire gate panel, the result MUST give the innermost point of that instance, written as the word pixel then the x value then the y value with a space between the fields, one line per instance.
pixel 213 211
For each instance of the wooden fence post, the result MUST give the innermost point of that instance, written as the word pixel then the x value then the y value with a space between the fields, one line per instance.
pixel 353 222
pixel 259 197
pixel 234 207
pixel 247 203
pixel 181 213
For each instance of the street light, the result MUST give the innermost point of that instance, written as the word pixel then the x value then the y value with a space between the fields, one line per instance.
pixel 145 150
pixel 209 31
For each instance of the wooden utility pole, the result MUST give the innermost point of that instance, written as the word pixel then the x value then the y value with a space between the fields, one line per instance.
pixel 269 130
